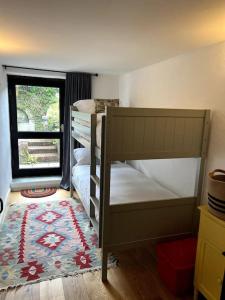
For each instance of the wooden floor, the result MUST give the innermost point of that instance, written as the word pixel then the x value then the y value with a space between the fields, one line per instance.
pixel 134 278
pixel 16 197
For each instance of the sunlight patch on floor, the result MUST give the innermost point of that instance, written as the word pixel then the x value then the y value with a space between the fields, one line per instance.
pixel 16 197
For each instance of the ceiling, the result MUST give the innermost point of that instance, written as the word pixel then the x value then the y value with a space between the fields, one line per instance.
pixel 106 36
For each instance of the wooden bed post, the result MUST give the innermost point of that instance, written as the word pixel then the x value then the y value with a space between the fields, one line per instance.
pixel 205 139
pixel 105 219
pixel 93 164
pixel 106 196
pixel 102 156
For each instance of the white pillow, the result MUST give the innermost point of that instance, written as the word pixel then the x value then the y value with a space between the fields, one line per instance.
pixel 82 156
pixel 87 106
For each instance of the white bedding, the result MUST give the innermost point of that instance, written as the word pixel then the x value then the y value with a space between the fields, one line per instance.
pixel 87 106
pixel 128 185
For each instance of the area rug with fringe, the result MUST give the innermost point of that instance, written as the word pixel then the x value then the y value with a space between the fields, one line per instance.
pixel 41 241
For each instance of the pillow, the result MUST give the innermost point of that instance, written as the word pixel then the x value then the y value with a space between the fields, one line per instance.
pixel 100 104
pixel 82 156
pixel 87 106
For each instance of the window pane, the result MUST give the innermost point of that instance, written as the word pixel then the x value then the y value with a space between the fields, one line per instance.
pixel 37 108
pixel 39 153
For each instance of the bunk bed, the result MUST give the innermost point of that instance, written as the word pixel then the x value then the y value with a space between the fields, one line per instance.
pixel 123 134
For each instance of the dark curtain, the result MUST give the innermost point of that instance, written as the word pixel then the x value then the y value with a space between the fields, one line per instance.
pixel 77 87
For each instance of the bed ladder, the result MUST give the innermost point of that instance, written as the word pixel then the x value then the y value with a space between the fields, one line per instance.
pixel 95 180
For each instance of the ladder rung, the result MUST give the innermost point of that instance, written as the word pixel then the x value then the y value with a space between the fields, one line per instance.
pixel 95 225
pixel 95 201
pixel 97 152
pixel 96 179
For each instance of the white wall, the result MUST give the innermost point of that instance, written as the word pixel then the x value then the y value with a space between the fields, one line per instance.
pixel 105 86
pixel 5 148
pixel 194 80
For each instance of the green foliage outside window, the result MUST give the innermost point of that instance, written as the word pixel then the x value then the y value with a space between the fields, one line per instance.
pixel 41 104
pixel 27 158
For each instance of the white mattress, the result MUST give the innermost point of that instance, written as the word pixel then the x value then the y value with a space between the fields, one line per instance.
pixel 128 185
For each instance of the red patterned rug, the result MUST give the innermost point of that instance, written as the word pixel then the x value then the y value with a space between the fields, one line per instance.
pixel 38 193
pixel 41 241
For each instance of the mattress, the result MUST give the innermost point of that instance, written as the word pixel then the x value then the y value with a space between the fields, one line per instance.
pixel 128 185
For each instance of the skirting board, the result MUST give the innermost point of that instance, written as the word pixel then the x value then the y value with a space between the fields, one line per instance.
pixel 19 184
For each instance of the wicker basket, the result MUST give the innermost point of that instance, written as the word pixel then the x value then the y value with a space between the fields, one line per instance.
pixel 216 193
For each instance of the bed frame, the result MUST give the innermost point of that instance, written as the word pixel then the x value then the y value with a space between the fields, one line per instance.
pixel 138 134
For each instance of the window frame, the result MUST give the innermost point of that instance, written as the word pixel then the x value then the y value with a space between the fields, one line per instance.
pixel 14 80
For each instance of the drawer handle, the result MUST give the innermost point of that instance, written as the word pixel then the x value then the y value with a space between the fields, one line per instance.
pixel 223 253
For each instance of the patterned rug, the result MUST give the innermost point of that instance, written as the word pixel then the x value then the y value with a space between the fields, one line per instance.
pixel 46 240
pixel 38 193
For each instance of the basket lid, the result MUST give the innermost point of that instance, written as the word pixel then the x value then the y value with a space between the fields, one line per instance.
pixel 217 175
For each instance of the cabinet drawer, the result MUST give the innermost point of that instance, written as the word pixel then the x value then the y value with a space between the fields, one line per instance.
pixel 212 231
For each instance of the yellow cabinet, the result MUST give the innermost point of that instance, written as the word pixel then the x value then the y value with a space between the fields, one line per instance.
pixel 210 260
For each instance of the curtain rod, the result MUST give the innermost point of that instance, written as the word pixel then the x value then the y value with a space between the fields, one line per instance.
pixel 34 69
